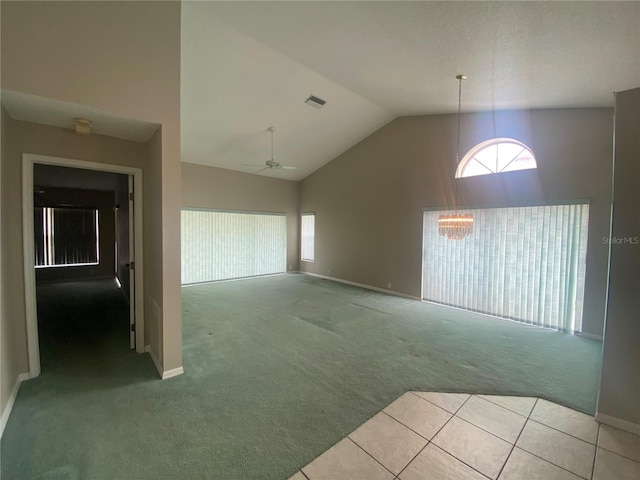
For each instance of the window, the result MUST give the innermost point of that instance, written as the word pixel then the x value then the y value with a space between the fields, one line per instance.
pixel 224 245
pixel 307 237
pixel 521 263
pixel 66 237
pixel 496 156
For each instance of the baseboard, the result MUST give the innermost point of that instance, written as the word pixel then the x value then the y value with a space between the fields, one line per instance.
pixel 590 336
pixel 164 374
pixel 618 423
pixel 174 372
pixel 12 398
pixel 239 279
pixel 361 285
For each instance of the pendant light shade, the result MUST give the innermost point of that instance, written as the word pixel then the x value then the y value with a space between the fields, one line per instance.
pixel 455 227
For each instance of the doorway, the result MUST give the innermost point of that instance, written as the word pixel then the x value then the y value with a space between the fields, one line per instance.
pixel 103 202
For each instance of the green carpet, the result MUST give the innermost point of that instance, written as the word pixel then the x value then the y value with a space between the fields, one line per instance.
pixel 277 369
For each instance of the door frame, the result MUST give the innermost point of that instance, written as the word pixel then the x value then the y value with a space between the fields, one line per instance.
pixel 28 162
pixel 132 245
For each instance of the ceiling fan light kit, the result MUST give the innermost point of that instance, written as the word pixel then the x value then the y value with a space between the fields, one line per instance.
pixel 271 163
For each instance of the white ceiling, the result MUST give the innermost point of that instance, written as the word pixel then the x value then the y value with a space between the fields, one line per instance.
pixel 233 88
pixel 404 55
pixel 249 65
pixel 31 108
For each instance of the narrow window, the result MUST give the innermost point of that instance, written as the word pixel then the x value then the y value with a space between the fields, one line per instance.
pixel 496 156
pixel 66 237
pixel 307 237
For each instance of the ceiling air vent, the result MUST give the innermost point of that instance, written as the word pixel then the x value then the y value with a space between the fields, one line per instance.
pixel 315 102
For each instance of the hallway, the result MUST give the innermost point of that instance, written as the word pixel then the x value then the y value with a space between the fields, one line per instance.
pixel 83 329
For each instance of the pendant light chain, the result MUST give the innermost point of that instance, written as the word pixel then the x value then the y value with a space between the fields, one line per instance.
pixel 460 78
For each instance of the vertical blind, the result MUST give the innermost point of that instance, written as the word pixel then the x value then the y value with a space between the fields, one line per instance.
pixel 524 263
pixel 307 237
pixel 65 236
pixel 223 245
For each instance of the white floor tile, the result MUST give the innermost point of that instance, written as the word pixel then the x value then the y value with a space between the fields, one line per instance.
pixel 521 405
pixel 451 402
pixel 475 447
pixel 493 418
pixel 393 443
pixel 388 441
pixel 298 476
pixel 611 466
pixel 621 442
pixel 436 464
pixel 558 448
pixel 524 466
pixel 566 420
pixel 419 415
pixel 346 460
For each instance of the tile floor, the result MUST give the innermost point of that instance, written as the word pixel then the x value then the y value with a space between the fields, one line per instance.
pixel 429 436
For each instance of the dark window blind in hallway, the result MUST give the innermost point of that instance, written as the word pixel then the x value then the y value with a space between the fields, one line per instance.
pixel 66 236
pixel 220 245
pixel 520 263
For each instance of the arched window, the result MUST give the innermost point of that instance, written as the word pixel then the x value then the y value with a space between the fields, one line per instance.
pixel 496 156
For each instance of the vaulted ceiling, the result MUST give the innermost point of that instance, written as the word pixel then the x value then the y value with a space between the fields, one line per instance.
pixel 247 66
pixel 250 65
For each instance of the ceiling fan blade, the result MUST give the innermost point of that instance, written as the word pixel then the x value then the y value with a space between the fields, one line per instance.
pixel 288 167
pixel 262 169
pixel 258 165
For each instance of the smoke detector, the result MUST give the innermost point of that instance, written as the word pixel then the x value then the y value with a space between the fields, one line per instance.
pixel 82 126
pixel 315 102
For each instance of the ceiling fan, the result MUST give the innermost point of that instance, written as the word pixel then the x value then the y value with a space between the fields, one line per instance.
pixel 271 163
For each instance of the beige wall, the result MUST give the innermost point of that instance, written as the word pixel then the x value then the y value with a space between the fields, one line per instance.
pixel 620 381
pixel 369 201
pixel 217 188
pixel 13 332
pixel 123 58
pixel 153 250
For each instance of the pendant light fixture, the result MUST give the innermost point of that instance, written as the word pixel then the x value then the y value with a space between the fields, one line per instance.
pixel 456 226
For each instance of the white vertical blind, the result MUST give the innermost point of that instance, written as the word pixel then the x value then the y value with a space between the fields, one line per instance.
pixel 521 263
pixel 223 245
pixel 307 237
